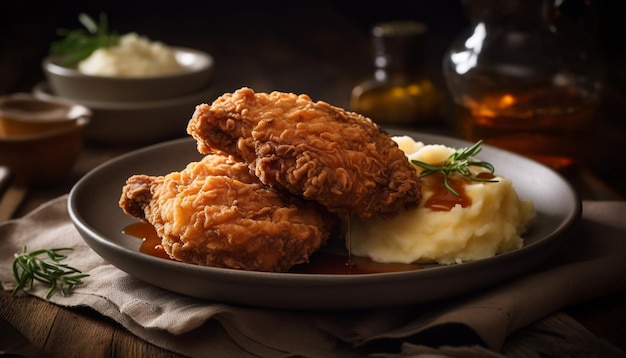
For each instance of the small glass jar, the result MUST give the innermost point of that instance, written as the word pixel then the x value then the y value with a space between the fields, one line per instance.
pixel 521 83
pixel 399 93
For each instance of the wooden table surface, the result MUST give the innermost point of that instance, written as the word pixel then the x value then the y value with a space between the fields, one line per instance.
pixel 321 50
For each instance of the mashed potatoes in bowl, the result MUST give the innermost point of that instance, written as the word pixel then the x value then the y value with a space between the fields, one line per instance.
pixel 492 223
pixel 134 56
pixel 134 69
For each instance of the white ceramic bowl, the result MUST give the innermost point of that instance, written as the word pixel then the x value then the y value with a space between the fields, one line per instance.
pixel 140 122
pixel 68 82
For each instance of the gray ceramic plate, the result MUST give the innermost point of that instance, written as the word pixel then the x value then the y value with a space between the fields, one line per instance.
pixel 93 207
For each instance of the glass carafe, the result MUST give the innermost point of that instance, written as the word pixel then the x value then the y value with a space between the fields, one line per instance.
pixel 521 83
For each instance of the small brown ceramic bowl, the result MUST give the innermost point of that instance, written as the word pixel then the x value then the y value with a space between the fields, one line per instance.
pixel 68 82
pixel 40 140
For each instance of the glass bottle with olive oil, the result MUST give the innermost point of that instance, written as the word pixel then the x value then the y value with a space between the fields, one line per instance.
pixel 399 94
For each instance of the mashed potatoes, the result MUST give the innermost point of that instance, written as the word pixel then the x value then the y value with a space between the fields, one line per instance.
pixel 492 224
pixel 134 56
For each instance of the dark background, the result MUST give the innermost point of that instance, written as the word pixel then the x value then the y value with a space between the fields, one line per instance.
pixel 250 32
pixel 270 38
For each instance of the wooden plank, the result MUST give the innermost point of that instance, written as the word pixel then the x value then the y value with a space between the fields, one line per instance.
pixel 11 200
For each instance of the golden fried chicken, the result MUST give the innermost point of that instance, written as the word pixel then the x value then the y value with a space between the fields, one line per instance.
pixel 215 213
pixel 340 159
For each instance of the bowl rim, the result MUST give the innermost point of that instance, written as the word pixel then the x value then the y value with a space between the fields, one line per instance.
pixel 81 109
pixel 205 60
pixel 81 124
pixel 43 90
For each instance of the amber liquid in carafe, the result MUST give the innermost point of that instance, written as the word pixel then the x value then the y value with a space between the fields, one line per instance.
pixel 549 125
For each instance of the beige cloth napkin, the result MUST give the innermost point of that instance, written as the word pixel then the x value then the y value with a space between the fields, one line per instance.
pixel 516 318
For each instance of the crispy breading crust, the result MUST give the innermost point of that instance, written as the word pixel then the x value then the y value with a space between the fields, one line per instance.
pixel 314 150
pixel 215 213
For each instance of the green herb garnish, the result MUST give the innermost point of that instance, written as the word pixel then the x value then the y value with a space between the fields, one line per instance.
pixel 29 267
pixel 458 162
pixel 79 44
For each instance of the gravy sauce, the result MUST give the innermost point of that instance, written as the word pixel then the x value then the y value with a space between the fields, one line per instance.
pixel 319 263
pixel 443 199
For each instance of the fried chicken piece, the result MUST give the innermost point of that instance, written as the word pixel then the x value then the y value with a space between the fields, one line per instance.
pixel 340 159
pixel 215 213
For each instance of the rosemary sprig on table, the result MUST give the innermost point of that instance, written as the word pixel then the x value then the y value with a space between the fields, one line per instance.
pixel 458 162
pixel 29 267
pixel 79 44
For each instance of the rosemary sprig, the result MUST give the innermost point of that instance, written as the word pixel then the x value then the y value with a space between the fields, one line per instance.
pixel 79 44
pixel 29 267
pixel 458 162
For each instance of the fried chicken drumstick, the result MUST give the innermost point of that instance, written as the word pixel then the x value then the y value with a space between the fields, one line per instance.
pixel 312 149
pixel 215 213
